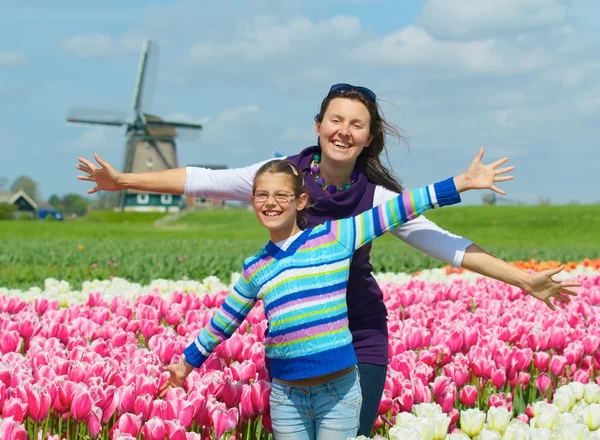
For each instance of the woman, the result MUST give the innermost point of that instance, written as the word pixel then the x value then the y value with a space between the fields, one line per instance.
pixel 344 176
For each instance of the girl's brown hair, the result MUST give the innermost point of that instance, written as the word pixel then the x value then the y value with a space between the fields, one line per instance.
pixel 369 160
pixel 280 166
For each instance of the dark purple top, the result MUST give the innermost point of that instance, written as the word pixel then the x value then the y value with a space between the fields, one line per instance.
pixel 367 314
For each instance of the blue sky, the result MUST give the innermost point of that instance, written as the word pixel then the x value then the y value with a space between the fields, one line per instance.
pixel 520 77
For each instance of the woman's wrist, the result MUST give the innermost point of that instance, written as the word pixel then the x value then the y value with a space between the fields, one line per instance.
pixel 188 367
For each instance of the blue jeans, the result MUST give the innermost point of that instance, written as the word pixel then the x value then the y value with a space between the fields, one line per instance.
pixel 329 411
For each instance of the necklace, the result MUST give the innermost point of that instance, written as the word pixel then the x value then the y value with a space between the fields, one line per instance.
pixel 331 189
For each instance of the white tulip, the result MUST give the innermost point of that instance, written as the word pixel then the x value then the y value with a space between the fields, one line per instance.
pixel 441 422
pixel 591 393
pixel 427 409
pixel 405 419
pixel 560 433
pixel 457 436
pixel 498 418
pixel 471 421
pixel 425 427
pixel 538 407
pixel 548 418
pixel 591 416
pixel 488 434
pixel 568 419
pixel 539 434
pixel 397 433
pixel 516 431
pixel 577 388
pixel 564 398
pixel 579 431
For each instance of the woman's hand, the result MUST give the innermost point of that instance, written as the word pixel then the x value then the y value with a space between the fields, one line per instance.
pixel 543 287
pixel 105 176
pixel 178 373
pixel 479 176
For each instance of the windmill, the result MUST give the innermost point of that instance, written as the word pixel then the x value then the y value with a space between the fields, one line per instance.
pixel 150 143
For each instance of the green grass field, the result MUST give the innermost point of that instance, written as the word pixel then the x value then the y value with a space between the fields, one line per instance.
pixel 216 242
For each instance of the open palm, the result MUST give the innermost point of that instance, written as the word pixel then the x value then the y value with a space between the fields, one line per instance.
pixel 544 287
pixel 480 176
pixel 105 176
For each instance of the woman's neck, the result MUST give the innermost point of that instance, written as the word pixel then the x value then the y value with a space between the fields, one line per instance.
pixel 337 174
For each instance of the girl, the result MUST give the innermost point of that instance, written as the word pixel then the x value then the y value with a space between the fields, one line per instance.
pixel 301 276
pixel 344 176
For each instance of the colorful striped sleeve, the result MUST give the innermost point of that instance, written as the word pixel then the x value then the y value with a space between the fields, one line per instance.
pixel 228 318
pixel 357 231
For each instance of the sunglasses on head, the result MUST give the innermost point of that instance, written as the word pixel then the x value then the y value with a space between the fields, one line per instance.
pixel 343 87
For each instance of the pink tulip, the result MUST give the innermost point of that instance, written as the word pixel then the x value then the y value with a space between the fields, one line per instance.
pixel 231 394
pixel 143 405
pixel 179 409
pixel 225 421
pixel 9 342
pixel 581 376
pixel 261 390
pixel 557 338
pixel 154 429
pixel 95 421
pixel 406 397
pixel 126 399
pixel 541 361
pixel 174 430
pixel 247 409
pixel 543 381
pixel 39 401
pixel 439 386
pixel 499 379
pixel 12 429
pixel 385 404
pixel 81 406
pixel 468 395
pixel 129 424
pixel 557 365
pixel 15 408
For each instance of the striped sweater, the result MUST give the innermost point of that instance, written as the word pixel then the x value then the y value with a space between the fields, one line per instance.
pixel 304 289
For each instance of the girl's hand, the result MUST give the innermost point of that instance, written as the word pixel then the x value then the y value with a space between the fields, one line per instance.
pixel 105 176
pixel 178 373
pixel 479 176
pixel 543 287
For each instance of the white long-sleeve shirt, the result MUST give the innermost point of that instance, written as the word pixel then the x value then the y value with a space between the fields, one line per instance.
pixel 420 233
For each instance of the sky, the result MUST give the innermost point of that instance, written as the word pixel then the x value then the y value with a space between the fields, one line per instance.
pixel 518 77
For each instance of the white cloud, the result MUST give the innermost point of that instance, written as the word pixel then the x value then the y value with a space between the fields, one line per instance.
pixel 463 18
pixel 99 45
pixel 414 46
pixel 99 138
pixel 266 37
pixel 11 58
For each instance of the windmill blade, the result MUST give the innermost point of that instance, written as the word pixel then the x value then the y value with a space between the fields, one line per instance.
pixel 152 142
pixel 139 83
pixel 176 124
pixel 96 117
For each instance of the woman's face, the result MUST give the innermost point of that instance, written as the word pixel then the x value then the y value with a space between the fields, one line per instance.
pixel 345 130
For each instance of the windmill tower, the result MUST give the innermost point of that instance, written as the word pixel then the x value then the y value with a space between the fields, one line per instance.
pixel 150 144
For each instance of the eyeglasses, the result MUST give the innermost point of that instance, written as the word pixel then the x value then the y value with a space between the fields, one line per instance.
pixel 262 197
pixel 343 87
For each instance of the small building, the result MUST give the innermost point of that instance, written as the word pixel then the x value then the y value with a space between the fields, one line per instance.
pixel 204 202
pixel 46 210
pixel 25 204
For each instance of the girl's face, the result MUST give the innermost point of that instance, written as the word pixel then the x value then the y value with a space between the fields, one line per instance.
pixel 276 205
pixel 345 130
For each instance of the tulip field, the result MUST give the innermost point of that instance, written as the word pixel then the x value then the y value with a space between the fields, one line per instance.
pixel 469 357
pixel 92 309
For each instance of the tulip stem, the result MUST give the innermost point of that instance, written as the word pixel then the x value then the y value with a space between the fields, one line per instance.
pixel 248 424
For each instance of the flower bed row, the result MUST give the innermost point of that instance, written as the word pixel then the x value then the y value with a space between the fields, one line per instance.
pixel 71 368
